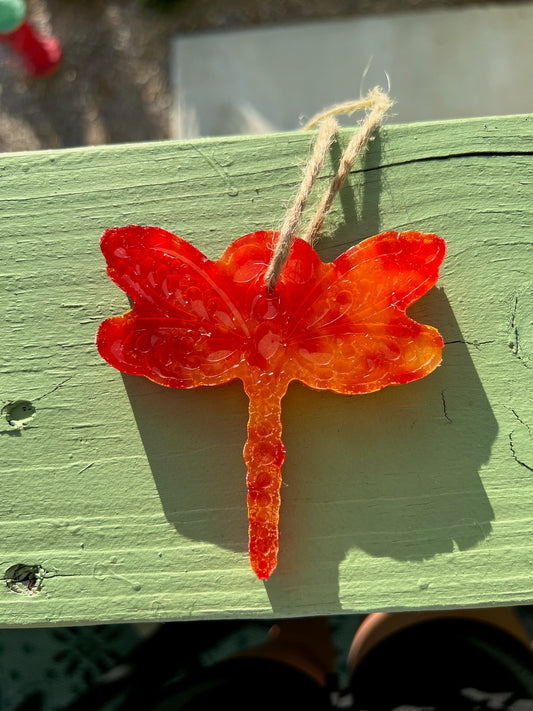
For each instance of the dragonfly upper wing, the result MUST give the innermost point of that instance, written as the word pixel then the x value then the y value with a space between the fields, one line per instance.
pixel 352 334
pixel 184 329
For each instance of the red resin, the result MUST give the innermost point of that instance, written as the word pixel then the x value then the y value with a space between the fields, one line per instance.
pixel 337 326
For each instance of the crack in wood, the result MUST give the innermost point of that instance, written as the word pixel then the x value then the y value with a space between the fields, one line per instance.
pixel 444 407
pixel 451 156
pixel 514 344
pixel 476 344
pixel 85 468
pixel 512 444
pixel 514 339
pixel 515 457
pixel 515 413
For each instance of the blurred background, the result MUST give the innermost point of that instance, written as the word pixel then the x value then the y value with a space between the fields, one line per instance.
pixel 145 70
pixel 141 70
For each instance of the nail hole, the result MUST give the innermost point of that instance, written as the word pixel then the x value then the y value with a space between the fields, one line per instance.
pixel 18 413
pixel 25 579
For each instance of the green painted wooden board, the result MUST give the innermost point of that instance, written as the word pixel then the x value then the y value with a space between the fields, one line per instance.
pixel 127 500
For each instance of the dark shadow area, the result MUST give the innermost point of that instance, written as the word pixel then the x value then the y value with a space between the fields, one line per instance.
pixel 360 212
pixel 394 473
pixel 193 441
pixel 101 667
pixel 11 432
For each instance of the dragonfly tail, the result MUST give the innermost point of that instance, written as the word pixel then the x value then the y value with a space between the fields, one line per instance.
pixel 264 454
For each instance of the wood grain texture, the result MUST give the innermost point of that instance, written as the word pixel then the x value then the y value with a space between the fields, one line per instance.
pixel 131 498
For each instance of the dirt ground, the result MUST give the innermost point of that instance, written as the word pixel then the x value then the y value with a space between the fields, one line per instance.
pixel 113 85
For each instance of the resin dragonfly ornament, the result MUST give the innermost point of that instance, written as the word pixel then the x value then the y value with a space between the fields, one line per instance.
pixel 337 326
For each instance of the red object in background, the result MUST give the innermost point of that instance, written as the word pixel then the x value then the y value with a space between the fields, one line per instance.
pixel 337 326
pixel 41 54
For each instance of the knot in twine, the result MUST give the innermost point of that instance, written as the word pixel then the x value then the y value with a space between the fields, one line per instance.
pixel 376 103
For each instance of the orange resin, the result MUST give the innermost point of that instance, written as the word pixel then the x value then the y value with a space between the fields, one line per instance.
pixel 337 326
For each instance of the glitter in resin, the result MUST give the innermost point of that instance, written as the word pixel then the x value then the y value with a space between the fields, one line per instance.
pixel 337 326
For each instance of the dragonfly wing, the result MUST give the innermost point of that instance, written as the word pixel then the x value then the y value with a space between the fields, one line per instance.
pixel 352 334
pixel 361 360
pixel 184 330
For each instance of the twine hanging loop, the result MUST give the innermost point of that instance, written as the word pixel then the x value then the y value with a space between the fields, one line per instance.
pixel 376 103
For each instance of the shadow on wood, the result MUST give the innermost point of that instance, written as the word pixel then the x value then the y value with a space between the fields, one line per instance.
pixel 392 474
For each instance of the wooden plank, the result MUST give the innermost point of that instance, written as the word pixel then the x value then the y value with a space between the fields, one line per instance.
pixel 128 499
